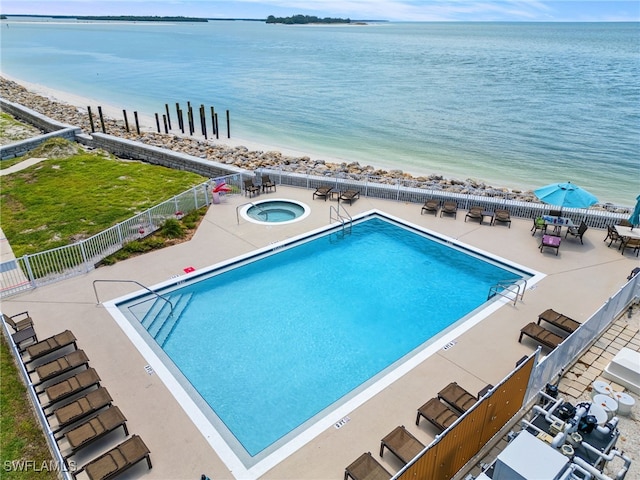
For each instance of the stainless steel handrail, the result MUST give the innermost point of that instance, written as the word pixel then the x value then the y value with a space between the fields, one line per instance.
pixel 253 205
pixel 137 283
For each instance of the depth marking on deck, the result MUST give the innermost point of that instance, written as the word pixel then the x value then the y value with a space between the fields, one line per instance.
pixel 341 423
pixel 449 345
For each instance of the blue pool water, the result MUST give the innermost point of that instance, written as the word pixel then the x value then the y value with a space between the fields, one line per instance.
pixel 273 342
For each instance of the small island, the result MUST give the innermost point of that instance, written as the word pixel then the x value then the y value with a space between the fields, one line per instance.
pixel 305 19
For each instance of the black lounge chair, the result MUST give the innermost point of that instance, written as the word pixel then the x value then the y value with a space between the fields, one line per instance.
pixel 457 397
pixel 503 216
pixel 117 460
pixel 550 241
pixel 475 213
pixel 450 208
pixel 250 189
pixel 349 196
pixel 95 428
pixel 558 320
pixel 18 324
pixel 70 386
pixel 267 184
pixel 365 467
pixel 50 345
pixel 577 231
pixel 64 364
pixel 322 191
pixel 541 335
pixel 402 444
pixel 439 414
pixel 80 408
pixel 430 206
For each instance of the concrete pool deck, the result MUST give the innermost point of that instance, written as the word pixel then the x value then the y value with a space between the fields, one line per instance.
pixel 578 281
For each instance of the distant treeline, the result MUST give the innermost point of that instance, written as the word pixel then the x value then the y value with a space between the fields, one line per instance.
pixel 130 18
pixel 304 19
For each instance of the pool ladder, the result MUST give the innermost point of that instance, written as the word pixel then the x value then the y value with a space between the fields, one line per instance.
pixel 345 219
pixel 505 288
pixel 266 214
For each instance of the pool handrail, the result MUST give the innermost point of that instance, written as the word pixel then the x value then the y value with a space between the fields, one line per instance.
pixel 137 283
pixel 253 205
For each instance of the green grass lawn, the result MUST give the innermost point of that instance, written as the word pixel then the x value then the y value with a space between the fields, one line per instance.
pixel 62 200
pixel 23 450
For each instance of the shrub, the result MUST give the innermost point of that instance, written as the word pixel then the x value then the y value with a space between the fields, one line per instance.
pixel 172 228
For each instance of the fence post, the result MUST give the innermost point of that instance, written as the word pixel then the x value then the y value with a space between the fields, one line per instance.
pixel 32 277
pixel 85 260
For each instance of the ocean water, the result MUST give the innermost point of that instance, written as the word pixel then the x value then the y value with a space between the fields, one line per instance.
pixel 519 105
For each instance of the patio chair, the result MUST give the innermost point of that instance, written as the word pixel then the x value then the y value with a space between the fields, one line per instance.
pixel 450 208
pixel 70 386
pixel 550 241
pixel 558 320
pixel 267 184
pixel 439 414
pixel 474 213
pixel 80 408
pixel 632 243
pixel 501 215
pixel 540 335
pixel 250 189
pixel 555 213
pixel 18 324
pixel 117 460
pixel 457 397
pixel 430 206
pixel 577 231
pixel 612 235
pixel 365 467
pixel 322 191
pixel 94 429
pixel 633 273
pixel 402 444
pixel 349 196
pixel 539 224
pixel 64 364
pixel 50 345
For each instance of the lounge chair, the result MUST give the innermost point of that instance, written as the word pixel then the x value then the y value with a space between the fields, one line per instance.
pixel 558 320
pixel 474 213
pixel 430 206
pixel 540 335
pixel 365 467
pixel 26 335
pixel 632 243
pixel 50 345
pixel 402 444
pixel 539 224
pixel 450 208
pixel 70 386
pixel 322 191
pixel 550 241
pixel 117 460
pixel 80 408
pixel 577 231
pixel 250 189
pixel 633 273
pixel 501 215
pixel 18 324
pixel 349 196
pixel 437 413
pixel 95 428
pixel 613 235
pixel 60 365
pixel 267 184
pixel 457 397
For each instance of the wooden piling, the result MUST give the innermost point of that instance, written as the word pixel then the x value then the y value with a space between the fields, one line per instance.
pixel 158 123
pixel 135 114
pixel 213 121
pixel 126 122
pixel 228 126
pixel 166 127
pixel 91 119
pixel 166 107
pixel 203 121
pixel 104 130
pixel 190 117
pixel 181 120
pixel 217 130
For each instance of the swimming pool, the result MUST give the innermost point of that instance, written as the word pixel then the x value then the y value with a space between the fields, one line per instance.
pixel 275 211
pixel 269 342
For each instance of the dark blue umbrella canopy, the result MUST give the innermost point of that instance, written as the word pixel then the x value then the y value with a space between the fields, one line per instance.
pixel 565 195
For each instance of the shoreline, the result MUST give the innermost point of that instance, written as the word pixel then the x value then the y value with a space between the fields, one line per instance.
pixel 240 152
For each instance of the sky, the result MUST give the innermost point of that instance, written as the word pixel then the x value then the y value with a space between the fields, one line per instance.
pixel 392 10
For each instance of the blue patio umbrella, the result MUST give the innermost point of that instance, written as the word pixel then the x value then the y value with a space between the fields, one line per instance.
pixel 565 195
pixel 634 219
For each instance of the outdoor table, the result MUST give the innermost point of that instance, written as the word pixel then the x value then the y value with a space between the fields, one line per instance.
pixel 558 223
pixel 627 231
pixel 487 213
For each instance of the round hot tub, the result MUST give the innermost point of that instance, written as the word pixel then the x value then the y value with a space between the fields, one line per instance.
pixel 275 211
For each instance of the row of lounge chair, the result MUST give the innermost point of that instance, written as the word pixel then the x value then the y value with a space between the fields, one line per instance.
pixel 477 212
pixel 78 409
pixel 441 411
pixel 266 185
pixel 325 191
pixel 546 337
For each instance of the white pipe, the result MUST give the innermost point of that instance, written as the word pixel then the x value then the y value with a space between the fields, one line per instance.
pixel 608 427
pixel 598 474
pixel 567 474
